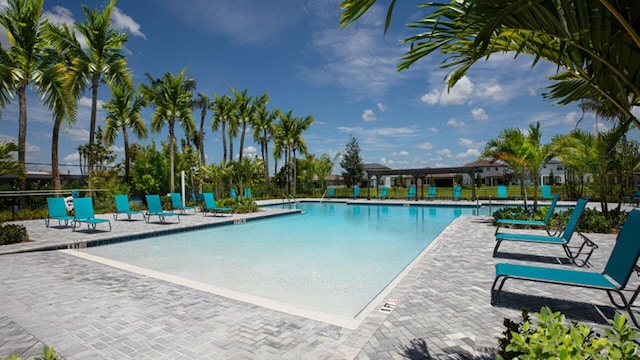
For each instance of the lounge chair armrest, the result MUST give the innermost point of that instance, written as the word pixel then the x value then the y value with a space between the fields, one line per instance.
pixel 583 255
pixel 588 242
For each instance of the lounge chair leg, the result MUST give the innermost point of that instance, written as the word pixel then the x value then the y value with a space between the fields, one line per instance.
pixel 495 249
pixel 495 292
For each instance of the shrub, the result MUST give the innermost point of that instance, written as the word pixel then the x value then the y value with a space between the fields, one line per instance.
pixel 12 234
pixel 550 338
pixel 47 354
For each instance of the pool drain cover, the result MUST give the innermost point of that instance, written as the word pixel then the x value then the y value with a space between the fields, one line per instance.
pixel 389 305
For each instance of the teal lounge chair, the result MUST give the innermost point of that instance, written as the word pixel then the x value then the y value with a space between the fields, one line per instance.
pixel 234 195
pixel 433 192
pixel 411 192
pixel 57 210
pixel 535 223
pixel 502 192
pixel 457 192
pixel 331 192
pixel 211 207
pixel 356 192
pixel 83 208
pixel 545 191
pixel 176 203
pixel 122 207
pixel 563 239
pixel 614 278
pixel 247 193
pixel 155 209
pixel 384 193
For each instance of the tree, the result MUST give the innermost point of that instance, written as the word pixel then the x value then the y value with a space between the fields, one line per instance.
pixel 149 170
pixel 8 165
pixel 242 104
pixel 171 97
pixel 203 103
pixel 222 108
pixel 98 59
pixel 594 41
pixel 323 167
pixel 263 131
pixel 123 112
pixel 352 163
pixel 30 61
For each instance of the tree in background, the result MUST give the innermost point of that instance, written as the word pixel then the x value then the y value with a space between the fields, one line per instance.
pixel 171 97
pixel 30 61
pixel 8 166
pixel 202 102
pixel 149 170
pixel 352 163
pixel 123 113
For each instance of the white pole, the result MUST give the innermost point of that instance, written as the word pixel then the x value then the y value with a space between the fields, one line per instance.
pixel 182 186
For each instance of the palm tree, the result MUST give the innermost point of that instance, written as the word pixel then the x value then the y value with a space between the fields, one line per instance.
pixel 298 142
pixel 203 103
pixel 8 166
pixel 594 41
pixel 171 97
pixel 123 113
pixel 221 115
pixel 29 61
pixel 537 155
pixel 243 113
pixel 97 60
pixel 263 132
pixel 509 147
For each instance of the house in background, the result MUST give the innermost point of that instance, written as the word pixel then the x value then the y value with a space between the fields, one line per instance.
pixel 493 173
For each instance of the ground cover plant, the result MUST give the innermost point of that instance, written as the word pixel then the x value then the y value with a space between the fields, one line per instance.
pixel 591 221
pixel 550 337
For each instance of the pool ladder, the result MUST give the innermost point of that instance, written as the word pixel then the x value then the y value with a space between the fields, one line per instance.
pixel 289 201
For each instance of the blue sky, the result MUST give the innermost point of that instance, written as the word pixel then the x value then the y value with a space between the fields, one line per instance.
pixel 295 52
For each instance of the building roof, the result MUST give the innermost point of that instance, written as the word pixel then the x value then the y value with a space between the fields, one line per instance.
pixel 484 163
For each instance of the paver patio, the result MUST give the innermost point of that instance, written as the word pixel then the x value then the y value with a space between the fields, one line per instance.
pixel 87 310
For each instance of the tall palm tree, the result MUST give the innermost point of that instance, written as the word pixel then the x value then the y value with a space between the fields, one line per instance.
pixel 171 97
pixel 242 114
pixel 221 114
pixel 263 132
pixel 98 59
pixel 30 61
pixel 123 113
pixel 594 41
pixel 203 103
pixel 298 143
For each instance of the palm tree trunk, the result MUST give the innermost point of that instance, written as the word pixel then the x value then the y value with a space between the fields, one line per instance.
pixel 201 140
pixel 265 157
pixel 127 161
pixel 244 131
pixel 224 143
pixel 55 170
pixel 22 141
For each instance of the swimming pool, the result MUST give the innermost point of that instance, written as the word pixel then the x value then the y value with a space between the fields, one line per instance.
pixel 333 258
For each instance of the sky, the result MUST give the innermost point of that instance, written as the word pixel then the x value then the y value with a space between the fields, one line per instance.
pixel 295 52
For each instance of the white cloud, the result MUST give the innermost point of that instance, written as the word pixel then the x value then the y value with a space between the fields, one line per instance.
pixel 77 134
pixel 431 98
pixel 425 146
pixel 479 114
pixel 117 149
pixel 432 129
pixel 445 152
pixel 86 102
pixel 470 143
pixel 71 158
pixel 250 151
pixel 571 118
pixel 455 123
pixel 493 92
pixel 60 15
pixel 468 153
pixel 381 107
pixel 403 153
pixel 368 115
pixel 459 94
pixel 125 23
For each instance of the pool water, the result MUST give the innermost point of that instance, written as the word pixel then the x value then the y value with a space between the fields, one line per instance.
pixel 333 258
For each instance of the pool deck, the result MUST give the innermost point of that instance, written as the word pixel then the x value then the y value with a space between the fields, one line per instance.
pixel 88 310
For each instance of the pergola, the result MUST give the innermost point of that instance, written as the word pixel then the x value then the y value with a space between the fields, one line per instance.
pixel 379 170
